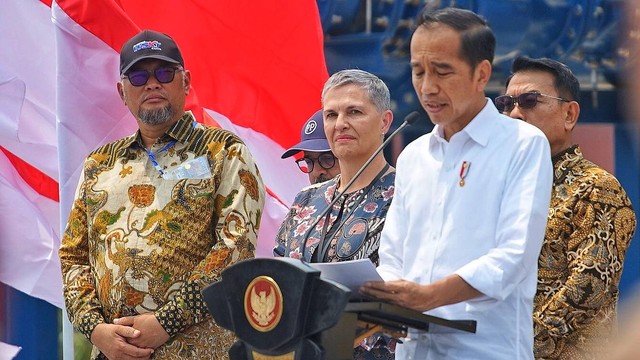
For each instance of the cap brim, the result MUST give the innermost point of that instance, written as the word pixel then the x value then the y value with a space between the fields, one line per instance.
pixel 316 145
pixel 150 56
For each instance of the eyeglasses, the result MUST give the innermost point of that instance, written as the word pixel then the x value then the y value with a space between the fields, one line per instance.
pixel 163 75
pixel 326 161
pixel 528 100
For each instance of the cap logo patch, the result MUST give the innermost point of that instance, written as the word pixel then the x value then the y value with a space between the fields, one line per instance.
pixel 153 45
pixel 311 127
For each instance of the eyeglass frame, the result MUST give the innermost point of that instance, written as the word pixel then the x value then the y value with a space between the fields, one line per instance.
pixel 155 75
pixel 309 163
pixel 516 100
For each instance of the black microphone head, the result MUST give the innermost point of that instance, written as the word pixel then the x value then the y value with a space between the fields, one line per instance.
pixel 412 117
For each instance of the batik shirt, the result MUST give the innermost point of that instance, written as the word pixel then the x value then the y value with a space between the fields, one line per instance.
pixel 590 224
pixel 354 226
pixel 137 243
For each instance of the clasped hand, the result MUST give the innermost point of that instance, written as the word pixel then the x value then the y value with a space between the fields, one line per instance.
pixel 129 337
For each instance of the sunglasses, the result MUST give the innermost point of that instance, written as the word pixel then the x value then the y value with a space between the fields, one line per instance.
pixel 528 100
pixel 326 161
pixel 164 75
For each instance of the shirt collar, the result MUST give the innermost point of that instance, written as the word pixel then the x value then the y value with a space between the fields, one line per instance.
pixel 181 130
pixel 572 153
pixel 479 129
pixel 564 161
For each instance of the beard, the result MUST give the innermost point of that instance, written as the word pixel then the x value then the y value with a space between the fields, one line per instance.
pixel 322 178
pixel 156 116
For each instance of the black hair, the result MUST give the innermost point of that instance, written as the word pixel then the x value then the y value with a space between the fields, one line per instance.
pixel 565 81
pixel 477 41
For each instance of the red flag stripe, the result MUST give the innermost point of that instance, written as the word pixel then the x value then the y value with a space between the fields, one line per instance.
pixel 37 180
pixel 114 30
pixel 250 100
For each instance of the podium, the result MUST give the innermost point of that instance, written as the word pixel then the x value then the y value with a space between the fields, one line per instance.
pixel 281 309
pixel 364 318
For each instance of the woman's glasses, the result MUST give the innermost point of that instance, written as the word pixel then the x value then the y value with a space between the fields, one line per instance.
pixel 326 161
pixel 528 100
pixel 162 74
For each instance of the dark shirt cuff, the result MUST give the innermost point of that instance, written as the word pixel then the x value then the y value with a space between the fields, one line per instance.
pixel 88 323
pixel 169 316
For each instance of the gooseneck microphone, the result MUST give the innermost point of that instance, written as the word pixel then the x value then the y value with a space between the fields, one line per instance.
pixel 408 120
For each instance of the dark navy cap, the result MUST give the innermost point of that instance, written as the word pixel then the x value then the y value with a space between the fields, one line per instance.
pixel 312 137
pixel 149 44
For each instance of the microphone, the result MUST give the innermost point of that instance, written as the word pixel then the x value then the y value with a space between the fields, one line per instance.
pixel 408 120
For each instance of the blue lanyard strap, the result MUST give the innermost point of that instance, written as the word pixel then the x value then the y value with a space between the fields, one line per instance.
pixel 152 156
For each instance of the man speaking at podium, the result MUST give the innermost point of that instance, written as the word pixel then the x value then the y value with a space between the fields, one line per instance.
pixel 463 233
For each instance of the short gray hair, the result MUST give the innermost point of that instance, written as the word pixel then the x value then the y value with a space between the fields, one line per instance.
pixel 376 88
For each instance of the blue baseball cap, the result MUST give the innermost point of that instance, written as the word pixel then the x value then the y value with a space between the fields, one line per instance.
pixel 312 137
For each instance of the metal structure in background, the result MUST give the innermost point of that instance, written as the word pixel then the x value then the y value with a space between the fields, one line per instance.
pixel 374 35
pixel 588 35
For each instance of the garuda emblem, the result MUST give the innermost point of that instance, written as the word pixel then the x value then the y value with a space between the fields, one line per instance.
pixel 263 303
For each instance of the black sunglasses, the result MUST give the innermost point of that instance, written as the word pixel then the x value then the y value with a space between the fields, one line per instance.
pixel 528 100
pixel 163 75
pixel 326 161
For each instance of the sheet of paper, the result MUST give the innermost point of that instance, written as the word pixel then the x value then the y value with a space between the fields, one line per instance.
pixel 351 274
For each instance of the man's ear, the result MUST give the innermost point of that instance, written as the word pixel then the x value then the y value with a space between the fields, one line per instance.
pixel 121 92
pixel 482 74
pixel 187 82
pixel 571 115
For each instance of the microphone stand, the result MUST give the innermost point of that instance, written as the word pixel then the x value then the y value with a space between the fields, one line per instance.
pixel 408 120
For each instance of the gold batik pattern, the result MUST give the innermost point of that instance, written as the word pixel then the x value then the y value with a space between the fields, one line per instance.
pixel 137 243
pixel 590 224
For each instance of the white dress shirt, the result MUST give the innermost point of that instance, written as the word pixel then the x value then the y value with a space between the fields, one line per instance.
pixel 489 231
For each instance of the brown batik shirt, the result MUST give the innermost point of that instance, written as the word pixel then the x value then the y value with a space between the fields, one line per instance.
pixel 136 242
pixel 590 224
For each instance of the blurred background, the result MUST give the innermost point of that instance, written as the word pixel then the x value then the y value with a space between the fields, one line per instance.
pixel 587 35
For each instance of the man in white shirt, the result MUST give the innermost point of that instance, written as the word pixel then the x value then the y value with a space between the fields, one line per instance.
pixel 463 234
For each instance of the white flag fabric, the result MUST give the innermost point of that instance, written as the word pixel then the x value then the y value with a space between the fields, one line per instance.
pixel 8 351
pixel 30 220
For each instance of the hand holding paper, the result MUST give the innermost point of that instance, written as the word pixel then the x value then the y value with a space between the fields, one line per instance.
pixel 351 274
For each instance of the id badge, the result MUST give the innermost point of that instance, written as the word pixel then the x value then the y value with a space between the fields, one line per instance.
pixel 197 168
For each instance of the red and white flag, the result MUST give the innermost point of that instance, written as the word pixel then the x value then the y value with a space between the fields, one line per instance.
pixel 257 70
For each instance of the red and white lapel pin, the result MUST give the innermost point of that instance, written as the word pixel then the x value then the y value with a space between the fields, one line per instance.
pixel 464 170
